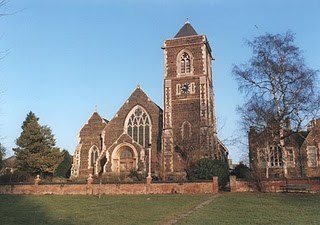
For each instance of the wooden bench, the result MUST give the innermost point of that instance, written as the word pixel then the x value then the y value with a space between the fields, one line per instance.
pixel 296 188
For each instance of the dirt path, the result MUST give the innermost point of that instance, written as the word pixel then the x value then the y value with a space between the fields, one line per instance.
pixel 196 208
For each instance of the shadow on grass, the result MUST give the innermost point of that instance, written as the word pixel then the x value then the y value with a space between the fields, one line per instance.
pixel 31 210
pixel 88 209
pixel 258 208
pixel 305 205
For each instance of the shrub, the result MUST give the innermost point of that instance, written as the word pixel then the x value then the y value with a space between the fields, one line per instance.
pixel 64 167
pixel 136 176
pixel 16 176
pixel 205 169
pixel 241 171
pixel 5 178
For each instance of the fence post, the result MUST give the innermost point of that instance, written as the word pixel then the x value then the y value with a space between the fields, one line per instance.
pixel 89 184
pixel 37 180
pixel 215 185
pixel 233 184
pixel 148 185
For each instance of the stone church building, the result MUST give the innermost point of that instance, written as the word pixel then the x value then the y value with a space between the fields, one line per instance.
pixel 144 138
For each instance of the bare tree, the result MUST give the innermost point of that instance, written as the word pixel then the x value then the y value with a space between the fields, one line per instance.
pixel 280 87
pixel 2 155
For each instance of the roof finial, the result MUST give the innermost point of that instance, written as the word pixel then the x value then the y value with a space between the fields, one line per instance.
pixel 138 86
pixel 95 108
pixel 187 21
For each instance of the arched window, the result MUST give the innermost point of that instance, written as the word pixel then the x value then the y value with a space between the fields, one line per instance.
pixel 185 63
pixel 93 156
pixel 186 130
pixel 126 154
pixel 138 126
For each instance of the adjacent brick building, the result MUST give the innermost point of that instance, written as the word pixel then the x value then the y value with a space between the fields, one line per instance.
pixel 301 152
pixel 183 132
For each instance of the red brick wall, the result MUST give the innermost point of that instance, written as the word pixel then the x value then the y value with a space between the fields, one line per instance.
pixel 271 185
pixel 87 189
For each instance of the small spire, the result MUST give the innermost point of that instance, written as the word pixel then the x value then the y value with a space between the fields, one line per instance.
pixel 186 30
pixel 187 21
pixel 95 108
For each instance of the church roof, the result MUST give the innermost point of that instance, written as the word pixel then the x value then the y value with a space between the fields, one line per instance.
pixel 95 119
pixel 138 93
pixel 186 30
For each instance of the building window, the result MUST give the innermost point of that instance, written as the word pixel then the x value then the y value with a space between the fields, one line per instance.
pixel 186 130
pixel 312 156
pixel 138 126
pixel 262 157
pixel 290 157
pixel 93 156
pixel 178 89
pixel 184 63
pixel 193 88
pixel 275 156
pixel 126 154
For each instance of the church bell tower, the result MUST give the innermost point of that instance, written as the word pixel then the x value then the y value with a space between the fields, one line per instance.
pixel 189 119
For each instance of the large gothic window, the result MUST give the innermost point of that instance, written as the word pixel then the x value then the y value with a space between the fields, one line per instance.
pixel 138 126
pixel 93 156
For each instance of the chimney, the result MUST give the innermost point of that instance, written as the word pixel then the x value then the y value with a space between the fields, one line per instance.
pixel 313 123
pixel 287 123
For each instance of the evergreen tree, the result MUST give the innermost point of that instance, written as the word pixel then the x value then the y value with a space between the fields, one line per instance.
pixel 64 167
pixel 36 152
pixel 241 171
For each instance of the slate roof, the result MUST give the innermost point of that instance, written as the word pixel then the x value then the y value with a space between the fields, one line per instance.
pixel 300 137
pixel 186 30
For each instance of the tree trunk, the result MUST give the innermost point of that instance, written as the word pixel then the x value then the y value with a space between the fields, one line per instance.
pixel 283 153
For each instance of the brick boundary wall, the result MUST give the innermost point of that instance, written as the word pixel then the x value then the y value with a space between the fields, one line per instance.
pixel 240 185
pixel 111 189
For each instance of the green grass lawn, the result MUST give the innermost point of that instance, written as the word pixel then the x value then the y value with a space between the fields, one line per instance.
pixel 77 210
pixel 259 208
pixel 227 208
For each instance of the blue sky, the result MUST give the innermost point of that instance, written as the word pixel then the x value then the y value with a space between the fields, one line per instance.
pixel 64 57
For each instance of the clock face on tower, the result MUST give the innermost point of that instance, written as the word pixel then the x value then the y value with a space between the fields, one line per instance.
pixel 185 88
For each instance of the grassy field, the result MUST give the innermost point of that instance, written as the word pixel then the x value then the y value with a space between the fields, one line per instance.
pixel 258 208
pixel 227 208
pixel 77 210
